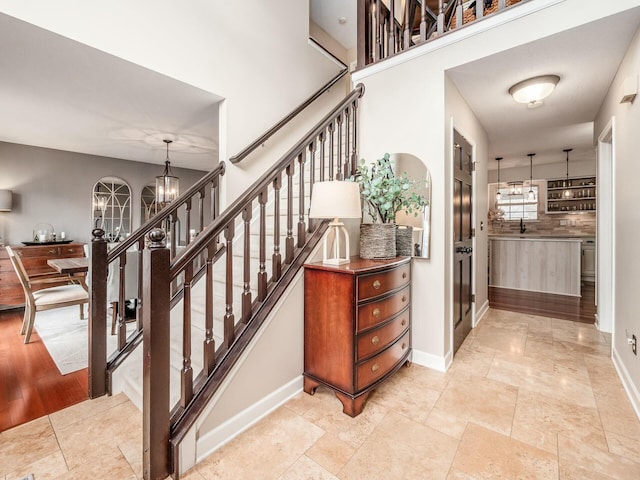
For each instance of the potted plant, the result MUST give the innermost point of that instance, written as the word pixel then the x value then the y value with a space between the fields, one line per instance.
pixel 384 194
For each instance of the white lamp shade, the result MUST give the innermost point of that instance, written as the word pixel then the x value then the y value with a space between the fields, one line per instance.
pixel 335 199
pixel 5 201
pixel 410 219
pixel 535 89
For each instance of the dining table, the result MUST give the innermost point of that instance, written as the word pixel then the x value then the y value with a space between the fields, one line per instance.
pixel 69 266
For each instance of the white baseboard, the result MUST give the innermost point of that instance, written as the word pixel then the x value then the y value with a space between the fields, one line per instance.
pixel 237 424
pixel 431 361
pixel 627 383
pixel 481 312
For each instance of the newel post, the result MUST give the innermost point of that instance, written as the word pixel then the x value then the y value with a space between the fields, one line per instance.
pixel 98 315
pixel 155 351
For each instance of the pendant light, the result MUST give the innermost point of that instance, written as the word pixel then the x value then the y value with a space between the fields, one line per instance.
pixel 531 196
pixel 167 185
pixel 498 194
pixel 567 192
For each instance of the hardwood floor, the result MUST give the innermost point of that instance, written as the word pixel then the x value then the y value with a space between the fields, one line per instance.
pixel 30 384
pixel 579 309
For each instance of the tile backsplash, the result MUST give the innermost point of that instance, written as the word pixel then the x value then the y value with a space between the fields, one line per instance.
pixel 554 224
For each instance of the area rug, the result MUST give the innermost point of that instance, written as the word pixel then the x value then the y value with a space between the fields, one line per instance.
pixel 66 337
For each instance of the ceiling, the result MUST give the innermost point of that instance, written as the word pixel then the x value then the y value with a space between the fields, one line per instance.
pixel 61 94
pixel 327 14
pixel 58 93
pixel 585 58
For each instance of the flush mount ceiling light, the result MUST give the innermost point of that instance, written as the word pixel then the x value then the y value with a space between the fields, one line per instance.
pixel 533 90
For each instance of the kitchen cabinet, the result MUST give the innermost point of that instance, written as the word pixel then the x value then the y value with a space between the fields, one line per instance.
pixel 357 326
pixel 575 194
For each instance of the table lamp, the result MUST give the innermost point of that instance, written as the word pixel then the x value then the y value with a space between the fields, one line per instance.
pixel 335 199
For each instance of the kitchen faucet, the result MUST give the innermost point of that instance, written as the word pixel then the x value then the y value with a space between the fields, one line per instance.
pixel 523 228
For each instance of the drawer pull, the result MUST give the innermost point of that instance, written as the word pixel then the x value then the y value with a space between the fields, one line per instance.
pixel 375 367
pixel 53 252
pixel 404 346
pixel 403 322
pixel 376 312
pixel 376 284
pixel 404 298
pixel 375 340
pixel 404 274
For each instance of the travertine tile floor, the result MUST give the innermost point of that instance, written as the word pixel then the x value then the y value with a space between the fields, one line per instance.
pixel 526 397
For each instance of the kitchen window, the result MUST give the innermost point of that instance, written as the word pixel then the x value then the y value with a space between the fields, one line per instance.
pixel 515 203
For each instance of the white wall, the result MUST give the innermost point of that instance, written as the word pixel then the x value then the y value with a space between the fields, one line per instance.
pixel 54 186
pixel 420 135
pixel 626 222
pixel 254 54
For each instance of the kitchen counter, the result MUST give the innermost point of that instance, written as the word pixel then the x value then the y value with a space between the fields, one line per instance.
pixel 536 263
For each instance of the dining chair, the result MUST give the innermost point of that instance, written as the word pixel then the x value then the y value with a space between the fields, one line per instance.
pixel 130 293
pixel 39 297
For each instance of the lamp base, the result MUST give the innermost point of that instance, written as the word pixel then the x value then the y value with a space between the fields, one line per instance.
pixel 338 230
pixel 335 261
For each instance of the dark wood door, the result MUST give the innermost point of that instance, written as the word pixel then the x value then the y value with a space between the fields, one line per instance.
pixel 463 239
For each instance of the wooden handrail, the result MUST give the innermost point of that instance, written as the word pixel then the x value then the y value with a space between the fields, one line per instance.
pixel 245 152
pixel 213 230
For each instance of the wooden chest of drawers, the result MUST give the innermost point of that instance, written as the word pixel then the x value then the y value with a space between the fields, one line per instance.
pixel 34 259
pixel 357 326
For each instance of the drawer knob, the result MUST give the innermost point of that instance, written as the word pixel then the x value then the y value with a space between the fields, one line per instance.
pixel 53 252
pixel 376 284
pixel 375 367
pixel 376 312
pixel 404 298
pixel 403 322
pixel 404 345
pixel 375 340
pixel 404 274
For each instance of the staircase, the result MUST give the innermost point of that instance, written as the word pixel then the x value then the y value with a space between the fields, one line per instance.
pixel 203 303
pixel 128 378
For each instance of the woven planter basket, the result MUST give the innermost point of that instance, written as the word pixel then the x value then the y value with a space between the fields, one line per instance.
pixel 469 14
pixel 404 240
pixel 377 240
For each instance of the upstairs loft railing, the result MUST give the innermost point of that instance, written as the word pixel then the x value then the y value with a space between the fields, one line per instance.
pixel 382 35
pixel 126 257
pixel 273 247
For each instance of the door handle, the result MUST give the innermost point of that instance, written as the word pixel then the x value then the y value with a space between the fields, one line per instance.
pixel 464 249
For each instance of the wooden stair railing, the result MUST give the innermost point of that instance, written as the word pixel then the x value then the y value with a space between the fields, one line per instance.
pixel 381 35
pixel 327 152
pixel 205 195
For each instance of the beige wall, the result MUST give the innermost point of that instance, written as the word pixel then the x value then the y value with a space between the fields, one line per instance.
pixel 55 187
pixel 626 220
